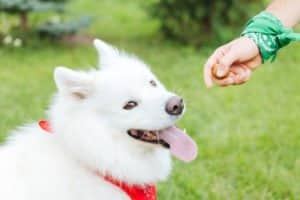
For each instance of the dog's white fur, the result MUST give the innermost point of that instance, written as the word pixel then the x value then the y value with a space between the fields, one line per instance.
pixel 89 128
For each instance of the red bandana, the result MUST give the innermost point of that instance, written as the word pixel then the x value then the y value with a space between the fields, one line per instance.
pixel 135 192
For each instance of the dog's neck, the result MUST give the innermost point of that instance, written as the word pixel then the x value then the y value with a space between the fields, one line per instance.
pixel 110 152
pixel 135 192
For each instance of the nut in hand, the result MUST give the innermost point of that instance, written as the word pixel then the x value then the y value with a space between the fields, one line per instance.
pixel 214 70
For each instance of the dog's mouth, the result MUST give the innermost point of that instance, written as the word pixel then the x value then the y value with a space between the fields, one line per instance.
pixel 148 136
pixel 179 143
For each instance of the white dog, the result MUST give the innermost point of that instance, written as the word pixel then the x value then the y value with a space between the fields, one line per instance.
pixel 111 131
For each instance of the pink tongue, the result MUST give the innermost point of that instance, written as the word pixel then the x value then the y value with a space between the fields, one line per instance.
pixel 182 146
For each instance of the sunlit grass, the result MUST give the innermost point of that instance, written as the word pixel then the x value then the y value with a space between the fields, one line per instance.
pixel 248 136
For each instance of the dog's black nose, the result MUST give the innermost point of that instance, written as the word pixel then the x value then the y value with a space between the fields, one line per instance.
pixel 175 105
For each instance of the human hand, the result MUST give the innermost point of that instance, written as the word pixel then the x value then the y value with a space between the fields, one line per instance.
pixel 232 63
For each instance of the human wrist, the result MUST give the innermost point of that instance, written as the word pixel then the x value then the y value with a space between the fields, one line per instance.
pixel 270 35
pixel 253 49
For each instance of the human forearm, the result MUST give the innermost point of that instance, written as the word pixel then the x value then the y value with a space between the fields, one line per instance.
pixel 288 11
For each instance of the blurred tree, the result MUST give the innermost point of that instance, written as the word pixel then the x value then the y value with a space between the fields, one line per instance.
pixel 23 7
pixel 201 21
pixel 55 27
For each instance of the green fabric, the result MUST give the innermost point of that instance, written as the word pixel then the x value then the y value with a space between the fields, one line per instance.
pixel 269 34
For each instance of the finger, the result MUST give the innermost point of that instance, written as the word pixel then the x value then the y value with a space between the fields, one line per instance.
pixel 241 74
pixel 218 54
pixel 226 82
pixel 254 63
pixel 229 80
pixel 247 74
pixel 238 75
pixel 226 61
pixel 213 59
pixel 237 70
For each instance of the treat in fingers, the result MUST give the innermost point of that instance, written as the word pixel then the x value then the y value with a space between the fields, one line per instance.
pixel 214 70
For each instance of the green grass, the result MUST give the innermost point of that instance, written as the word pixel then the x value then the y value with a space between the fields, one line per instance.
pixel 248 136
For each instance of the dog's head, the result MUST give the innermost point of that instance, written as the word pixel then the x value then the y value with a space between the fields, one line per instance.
pixel 120 116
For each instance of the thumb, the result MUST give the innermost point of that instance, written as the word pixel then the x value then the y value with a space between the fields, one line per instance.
pixel 225 63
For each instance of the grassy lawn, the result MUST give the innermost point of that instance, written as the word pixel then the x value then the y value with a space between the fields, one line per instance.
pixel 248 136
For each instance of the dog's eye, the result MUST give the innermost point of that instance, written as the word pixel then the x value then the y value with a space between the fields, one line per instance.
pixel 153 83
pixel 130 105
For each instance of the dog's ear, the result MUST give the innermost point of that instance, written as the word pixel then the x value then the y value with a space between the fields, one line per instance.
pixel 107 53
pixel 73 83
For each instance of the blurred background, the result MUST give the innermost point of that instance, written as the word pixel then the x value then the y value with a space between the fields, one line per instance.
pixel 248 136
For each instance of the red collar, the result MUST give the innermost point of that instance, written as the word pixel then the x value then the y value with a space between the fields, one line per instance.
pixel 135 192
